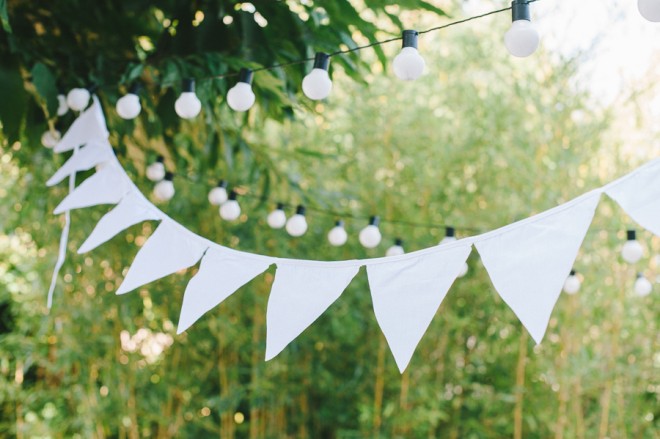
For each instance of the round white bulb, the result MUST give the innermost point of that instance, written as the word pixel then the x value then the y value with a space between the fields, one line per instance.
pixel 218 195
pixel 572 284
pixel 464 270
pixel 276 219
pixel 128 106
pixel 50 138
pixel 650 9
pixel 447 239
pixel 296 225
pixel 408 65
pixel 337 236
pixel 317 84
pixel 62 107
pixel 240 97
pixel 156 171
pixel 187 105
pixel 370 236
pixel 230 210
pixel 164 190
pixel 395 250
pixel 632 251
pixel 77 99
pixel 643 286
pixel 522 39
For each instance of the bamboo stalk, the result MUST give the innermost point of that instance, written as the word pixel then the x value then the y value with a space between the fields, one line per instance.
pixel 520 387
pixel 379 388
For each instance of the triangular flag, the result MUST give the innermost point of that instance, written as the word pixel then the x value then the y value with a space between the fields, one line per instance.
pixel 300 294
pixel 220 274
pixel 90 125
pixel 406 295
pixel 106 186
pixel 529 261
pixel 93 153
pixel 639 195
pixel 132 209
pixel 167 251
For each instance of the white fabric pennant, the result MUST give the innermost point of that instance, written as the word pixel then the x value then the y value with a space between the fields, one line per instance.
pixel 106 186
pixel 529 261
pixel 406 295
pixel 90 125
pixel 167 251
pixel 93 153
pixel 300 294
pixel 220 274
pixel 639 196
pixel 132 209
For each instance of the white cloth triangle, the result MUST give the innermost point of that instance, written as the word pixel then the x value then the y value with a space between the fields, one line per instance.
pixel 406 295
pixel 106 186
pixel 167 251
pixel 132 209
pixel 93 153
pixel 529 261
pixel 639 195
pixel 220 274
pixel 300 294
pixel 90 125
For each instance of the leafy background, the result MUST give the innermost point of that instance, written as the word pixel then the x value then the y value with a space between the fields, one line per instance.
pixel 480 141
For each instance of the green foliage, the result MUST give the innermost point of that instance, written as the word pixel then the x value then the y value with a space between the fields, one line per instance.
pixel 480 140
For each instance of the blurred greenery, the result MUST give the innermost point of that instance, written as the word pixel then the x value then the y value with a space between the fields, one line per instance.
pixel 480 141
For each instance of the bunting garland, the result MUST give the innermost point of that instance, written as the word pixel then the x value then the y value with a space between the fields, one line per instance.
pixel 406 289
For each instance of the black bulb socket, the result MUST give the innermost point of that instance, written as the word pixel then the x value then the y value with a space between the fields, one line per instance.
pixel 92 87
pixel 245 75
pixel 232 195
pixel 374 220
pixel 339 223
pixel 520 10
pixel 410 38
pixel 134 89
pixel 640 275
pixel 169 176
pixel 632 235
pixel 279 206
pixel 160 159
pixel 450 232
pixel 321 61
pixel 573 273
pixel 300 210
pixel 222 183
pixel 399 242
pixel 188 85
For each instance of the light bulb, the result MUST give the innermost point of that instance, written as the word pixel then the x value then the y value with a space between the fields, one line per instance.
pixel 464 270
pixel 128 106
pixel 370 236
pixel 632 250
pixel 230 209
pixel 277 218
pixel 187 105
pixel 643 286
pixel 156 171
pixel 297 224
pixel 522 39
pixel 337 236
pixel 50 138
pixel 396 249
pixel 77 99
pixel 218 194
pixel 317 84
pixel 62 107
pixel 572 283
pixel 450 235
pixel 650 9
pixel 164 189
pixel 409 65
pixel 240 97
